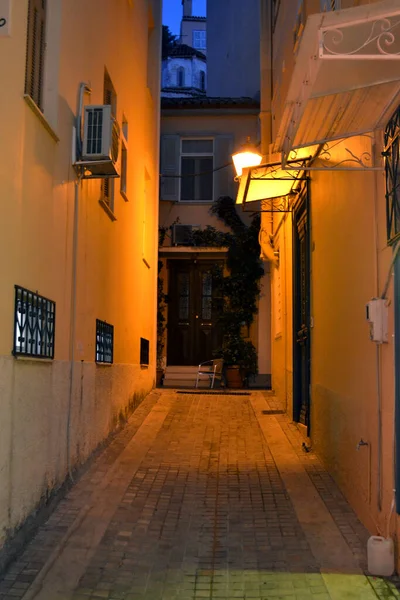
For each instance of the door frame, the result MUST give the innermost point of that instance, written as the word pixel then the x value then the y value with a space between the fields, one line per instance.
pixel 194 263
pixel 302 205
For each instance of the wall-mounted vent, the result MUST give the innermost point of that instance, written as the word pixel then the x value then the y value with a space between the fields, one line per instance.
pixel 182 235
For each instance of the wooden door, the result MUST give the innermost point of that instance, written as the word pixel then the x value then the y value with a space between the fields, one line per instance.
pixel 301 313
pixel 193 329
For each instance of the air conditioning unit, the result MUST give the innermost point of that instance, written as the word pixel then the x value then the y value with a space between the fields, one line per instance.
pixel 182 234
pixel 100 142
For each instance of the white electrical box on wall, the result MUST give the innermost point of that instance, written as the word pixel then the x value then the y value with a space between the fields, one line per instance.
pixel 377 316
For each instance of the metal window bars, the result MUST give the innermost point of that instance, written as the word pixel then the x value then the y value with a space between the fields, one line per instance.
pixel 104 342
pixel 34 324
pixel 391 154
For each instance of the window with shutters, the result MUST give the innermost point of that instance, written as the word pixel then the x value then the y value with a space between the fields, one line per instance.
pixel 124 159
pixel 197 164
pixel 35 51
pixel 108 185
pixel 199 39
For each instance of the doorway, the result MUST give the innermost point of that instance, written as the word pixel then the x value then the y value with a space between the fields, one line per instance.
pixel 301 311
pixel 194 332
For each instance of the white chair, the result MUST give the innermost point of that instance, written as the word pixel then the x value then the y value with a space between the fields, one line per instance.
pixel 211 369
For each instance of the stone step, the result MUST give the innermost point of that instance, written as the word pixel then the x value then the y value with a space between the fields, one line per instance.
pixel 182 369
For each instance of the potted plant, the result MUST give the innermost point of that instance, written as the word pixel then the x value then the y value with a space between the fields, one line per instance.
pixel 240 360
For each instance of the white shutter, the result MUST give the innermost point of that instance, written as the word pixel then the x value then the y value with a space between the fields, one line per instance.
pixel 224 184
pixel 170 153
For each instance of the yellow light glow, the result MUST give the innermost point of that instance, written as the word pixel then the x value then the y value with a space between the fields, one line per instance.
pixel 270 182
pixel 245 158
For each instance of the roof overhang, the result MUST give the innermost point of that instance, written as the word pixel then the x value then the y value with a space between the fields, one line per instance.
pixel 346 80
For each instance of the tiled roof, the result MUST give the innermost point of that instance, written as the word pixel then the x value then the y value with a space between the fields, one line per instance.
pixel 185 51
pixel 207 102
pixel 194 19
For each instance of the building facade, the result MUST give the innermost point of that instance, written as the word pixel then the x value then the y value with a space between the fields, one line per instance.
pixel 233 30
pixel 78 255
pixel 199 135
pixel 330 120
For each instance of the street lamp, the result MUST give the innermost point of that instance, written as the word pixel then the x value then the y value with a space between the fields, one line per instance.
pixel 248 156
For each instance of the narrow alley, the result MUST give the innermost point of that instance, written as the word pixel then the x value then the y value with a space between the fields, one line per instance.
pixel 200 496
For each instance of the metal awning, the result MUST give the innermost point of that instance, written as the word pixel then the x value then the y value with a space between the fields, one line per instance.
pixel 271 182
pixel 346 80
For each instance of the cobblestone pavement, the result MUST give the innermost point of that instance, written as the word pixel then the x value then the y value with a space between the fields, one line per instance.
pixel 200 497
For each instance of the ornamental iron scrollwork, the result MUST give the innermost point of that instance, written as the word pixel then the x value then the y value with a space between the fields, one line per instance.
pixel 381 40
pixel 392 170
pixel 338 155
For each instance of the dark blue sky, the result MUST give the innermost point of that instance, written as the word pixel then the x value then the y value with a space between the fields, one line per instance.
pixel 172 12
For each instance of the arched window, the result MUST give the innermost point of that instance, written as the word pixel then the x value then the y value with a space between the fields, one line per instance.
pixel 181 77
pixel 202 81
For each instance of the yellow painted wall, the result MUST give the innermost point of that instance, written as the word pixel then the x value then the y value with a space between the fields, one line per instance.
pixel 36 233
pixel 349 265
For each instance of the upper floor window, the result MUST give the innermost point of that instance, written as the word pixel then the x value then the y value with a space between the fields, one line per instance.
pixel 392 169
pixel 202 81
pixel 197 163
pixel 199 39
pixel 109 97
pixel 35 51
pixel 180 77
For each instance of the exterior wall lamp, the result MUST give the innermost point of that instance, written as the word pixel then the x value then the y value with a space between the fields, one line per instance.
pixel 248 156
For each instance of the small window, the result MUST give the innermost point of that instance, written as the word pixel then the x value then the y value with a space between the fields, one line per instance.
pixel 34 324
pixel 202 81
pixel 392 169
pixel 197 163
pixel 35 51
pixel 110 95
pixel 144 351
pixel 199 39
pixel 124 170
pixel 125 128
pixel 180 77
pixel 104 342
pixel 108 192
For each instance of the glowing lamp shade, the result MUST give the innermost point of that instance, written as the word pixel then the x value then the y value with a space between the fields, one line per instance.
pixel 247 157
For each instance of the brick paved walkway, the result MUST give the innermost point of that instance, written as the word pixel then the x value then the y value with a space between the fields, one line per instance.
pixel 200 496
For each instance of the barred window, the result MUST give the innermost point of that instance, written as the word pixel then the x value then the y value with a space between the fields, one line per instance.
pixel 35 51
pixel 34 324
pixel 392 169
pixel 144 351
pixel 104 342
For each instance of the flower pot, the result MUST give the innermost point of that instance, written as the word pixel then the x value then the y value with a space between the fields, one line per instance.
pixel 159 377
pixel 234 377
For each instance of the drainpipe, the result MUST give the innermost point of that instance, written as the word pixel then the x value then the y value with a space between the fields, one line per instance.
pixel 83 88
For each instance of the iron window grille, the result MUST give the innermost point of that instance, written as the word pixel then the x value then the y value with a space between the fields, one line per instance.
pixel 392 169
pixel 104 342
pixel 34 324
pixel 144 351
